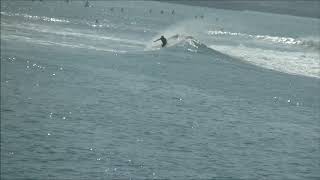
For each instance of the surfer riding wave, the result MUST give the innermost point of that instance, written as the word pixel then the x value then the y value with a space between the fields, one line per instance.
pixel 163 40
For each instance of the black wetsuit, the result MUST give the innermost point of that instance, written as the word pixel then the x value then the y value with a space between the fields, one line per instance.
pixel 163 40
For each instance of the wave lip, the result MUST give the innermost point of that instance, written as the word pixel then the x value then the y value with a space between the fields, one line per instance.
pixel 268 38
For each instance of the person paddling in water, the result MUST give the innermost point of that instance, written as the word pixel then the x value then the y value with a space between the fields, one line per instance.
pixel 163 40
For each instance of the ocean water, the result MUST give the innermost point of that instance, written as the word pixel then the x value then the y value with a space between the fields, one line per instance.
pixel 234 94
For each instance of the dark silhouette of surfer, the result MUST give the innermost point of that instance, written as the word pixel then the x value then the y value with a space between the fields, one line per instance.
pixel 87 4
pixel 163 40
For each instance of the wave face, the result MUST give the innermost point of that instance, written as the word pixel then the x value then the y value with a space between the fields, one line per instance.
pixel 86 93
pixel 285 54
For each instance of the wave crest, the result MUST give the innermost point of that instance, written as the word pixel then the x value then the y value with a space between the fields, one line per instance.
pixel 311 43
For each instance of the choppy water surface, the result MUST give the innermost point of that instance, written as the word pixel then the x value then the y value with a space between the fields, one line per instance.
pixel 86 94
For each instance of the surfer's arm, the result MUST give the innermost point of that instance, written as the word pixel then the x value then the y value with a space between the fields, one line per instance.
pixel 156 40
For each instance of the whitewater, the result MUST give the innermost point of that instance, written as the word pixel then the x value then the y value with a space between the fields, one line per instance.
pixel 87 94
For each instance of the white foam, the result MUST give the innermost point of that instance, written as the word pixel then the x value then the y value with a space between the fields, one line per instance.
pixel 301 63
pixel 276 39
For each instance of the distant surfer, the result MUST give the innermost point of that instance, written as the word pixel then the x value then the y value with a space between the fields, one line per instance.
pixel 163 40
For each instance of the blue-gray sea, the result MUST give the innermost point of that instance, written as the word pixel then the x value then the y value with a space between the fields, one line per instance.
pixel 86 94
